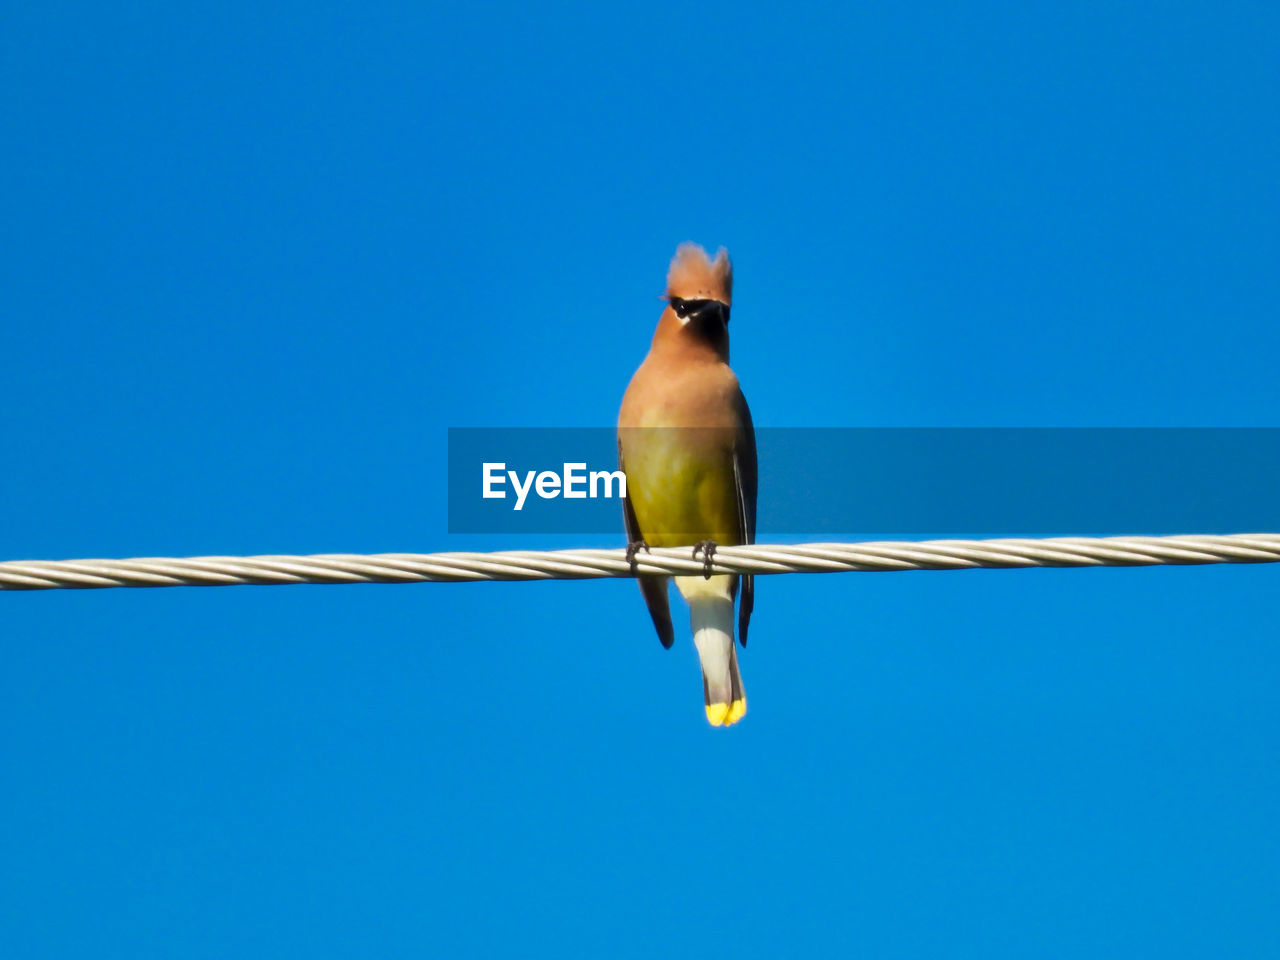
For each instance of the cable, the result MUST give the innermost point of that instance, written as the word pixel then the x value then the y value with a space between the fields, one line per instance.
pixel 583 564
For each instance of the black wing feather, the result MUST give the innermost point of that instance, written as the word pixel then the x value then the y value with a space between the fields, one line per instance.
pixel 653 589
pixel 745 476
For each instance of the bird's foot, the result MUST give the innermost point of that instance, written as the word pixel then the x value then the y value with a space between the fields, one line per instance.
pixel 633 548
pixel 708 550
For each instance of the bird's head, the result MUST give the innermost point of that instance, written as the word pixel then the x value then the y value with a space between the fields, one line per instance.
pixel 699 292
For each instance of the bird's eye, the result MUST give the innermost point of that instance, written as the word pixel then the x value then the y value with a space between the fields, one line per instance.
pixel 681 307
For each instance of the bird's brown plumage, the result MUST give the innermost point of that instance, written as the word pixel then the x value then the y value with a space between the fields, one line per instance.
pixel 686 443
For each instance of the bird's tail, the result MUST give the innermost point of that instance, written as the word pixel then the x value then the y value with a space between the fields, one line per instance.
pixel 712 620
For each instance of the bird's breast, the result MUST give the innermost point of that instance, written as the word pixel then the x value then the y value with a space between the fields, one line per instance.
pixel 681 484
pixel 677 431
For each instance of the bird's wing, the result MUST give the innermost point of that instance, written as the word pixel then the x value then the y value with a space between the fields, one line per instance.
pixel 653 589
pixel 746 479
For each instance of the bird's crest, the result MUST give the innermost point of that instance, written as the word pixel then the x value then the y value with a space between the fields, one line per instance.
pixel 695 276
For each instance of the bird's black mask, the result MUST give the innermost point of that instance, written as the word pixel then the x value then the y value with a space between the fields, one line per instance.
pixel 707 319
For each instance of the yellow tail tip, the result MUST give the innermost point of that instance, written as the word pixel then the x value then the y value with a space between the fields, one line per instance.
pixel 726 714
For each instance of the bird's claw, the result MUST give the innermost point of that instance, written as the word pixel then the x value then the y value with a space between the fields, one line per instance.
pixel 632 549
pixel 708 550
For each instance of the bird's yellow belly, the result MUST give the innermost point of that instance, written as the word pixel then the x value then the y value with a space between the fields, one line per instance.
pixel 681 495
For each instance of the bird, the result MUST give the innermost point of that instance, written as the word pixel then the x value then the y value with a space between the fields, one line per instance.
pixel 687 448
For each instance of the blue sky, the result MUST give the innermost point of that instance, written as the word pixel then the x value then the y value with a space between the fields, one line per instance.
pixel 257 260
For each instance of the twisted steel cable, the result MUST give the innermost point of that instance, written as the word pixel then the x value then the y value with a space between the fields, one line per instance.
pixel 593 563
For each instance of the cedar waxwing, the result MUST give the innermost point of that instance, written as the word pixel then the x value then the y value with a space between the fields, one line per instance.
pixel 687 447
